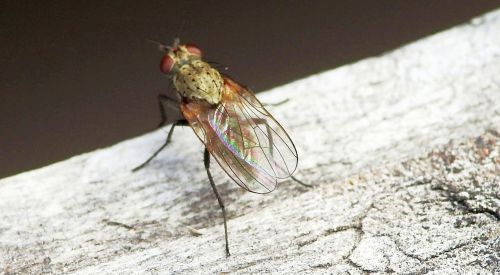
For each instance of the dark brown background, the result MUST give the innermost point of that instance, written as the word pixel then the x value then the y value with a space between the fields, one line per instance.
pixel 80 75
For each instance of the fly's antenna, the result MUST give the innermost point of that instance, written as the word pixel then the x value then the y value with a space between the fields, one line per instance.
pixel 161 47
pixel 179 33
pixel 177 41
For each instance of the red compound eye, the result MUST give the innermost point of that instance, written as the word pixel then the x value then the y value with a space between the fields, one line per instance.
pixel 166 64
pixel 192 49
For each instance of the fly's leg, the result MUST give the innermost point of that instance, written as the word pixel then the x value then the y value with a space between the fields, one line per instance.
pixel 301 182
pixel 271 144
pixel 171 103
pixel 181 122
pixel 269 135
pixel 277 103
pixel 218 66
pixel 206 160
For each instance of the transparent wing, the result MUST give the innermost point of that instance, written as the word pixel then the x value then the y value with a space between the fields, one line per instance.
pixel 246 141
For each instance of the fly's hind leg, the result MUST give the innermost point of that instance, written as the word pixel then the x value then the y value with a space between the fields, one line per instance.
pixel 181 122
pixel 206 161
pixel 301 182
pixel 271 146
pixel 276 103
pixel 268 131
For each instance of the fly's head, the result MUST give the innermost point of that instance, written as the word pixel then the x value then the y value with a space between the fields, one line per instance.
pixel 193 78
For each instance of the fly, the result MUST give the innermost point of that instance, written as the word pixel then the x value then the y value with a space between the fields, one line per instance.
pixel 238 132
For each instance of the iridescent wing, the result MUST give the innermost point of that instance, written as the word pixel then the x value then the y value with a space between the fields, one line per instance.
pixel 246 141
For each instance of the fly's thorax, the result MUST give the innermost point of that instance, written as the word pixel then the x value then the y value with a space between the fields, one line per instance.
pixel 198 80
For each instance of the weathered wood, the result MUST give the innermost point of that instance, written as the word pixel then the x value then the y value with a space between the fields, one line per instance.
pixel 402 150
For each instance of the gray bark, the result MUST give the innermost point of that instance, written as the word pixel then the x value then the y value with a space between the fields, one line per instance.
pixel 403 151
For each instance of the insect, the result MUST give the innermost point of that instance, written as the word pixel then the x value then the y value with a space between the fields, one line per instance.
pixel 237 131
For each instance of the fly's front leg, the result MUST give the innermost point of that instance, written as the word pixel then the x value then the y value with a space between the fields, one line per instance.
pixel 181 122
pixel 206 161
pixel 171 103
